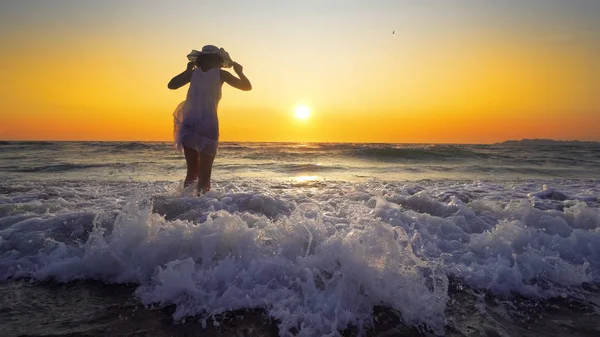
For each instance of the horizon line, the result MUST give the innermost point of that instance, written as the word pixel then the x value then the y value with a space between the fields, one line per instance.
pixel 301 142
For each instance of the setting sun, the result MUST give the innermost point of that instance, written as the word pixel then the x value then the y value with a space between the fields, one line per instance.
pixel 302 112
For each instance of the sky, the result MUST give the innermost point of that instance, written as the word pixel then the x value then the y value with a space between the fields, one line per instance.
pixel 421 71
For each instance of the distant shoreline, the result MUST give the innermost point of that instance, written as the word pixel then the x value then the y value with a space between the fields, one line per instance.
pixel 546 142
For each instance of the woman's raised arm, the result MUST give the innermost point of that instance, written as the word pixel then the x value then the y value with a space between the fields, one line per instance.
pixel 242 83
pixel 183 78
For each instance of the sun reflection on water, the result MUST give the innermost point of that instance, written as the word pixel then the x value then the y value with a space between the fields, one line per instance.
pixel 306 178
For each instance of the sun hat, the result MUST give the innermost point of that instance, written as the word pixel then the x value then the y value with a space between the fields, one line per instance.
pixel 210 49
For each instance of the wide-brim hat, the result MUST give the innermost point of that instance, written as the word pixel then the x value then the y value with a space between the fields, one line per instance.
pixel 210 49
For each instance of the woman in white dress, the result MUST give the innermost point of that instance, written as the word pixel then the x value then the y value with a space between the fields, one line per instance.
pixel 196 123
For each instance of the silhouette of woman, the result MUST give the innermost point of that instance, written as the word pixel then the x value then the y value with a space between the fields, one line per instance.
pixel 196 124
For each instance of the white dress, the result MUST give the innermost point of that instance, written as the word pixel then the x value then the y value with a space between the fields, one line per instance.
pixel 196 124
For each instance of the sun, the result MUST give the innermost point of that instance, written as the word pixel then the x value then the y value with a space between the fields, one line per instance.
pixel 302 112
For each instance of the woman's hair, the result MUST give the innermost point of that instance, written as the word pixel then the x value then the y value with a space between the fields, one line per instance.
pixel 208 60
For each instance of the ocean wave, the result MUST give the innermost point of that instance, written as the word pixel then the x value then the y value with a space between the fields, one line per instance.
pixel 285 168
pixel 225 146
pixel 126 146
pixel 13 157
pixel 248 244
pixel 35 143
pixel 370 152
pixel 29 145
pixel 534 169
pixel 137 146
pixel 295 257
pixel 420 154
pixel 60 167
pixel 309 168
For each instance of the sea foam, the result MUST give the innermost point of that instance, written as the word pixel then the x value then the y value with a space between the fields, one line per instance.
pixel 316 259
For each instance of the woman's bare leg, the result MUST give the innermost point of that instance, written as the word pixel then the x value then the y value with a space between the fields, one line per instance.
pixel 191 159
pixel 204 172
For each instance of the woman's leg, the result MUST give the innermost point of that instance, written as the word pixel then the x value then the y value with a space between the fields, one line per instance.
pixel 191 159
pixel 204 171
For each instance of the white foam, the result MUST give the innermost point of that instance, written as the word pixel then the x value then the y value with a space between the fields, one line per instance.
pixel 317 259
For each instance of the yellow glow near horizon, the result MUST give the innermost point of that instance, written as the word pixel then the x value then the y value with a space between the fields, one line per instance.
pixel 454 72
pixel 302 112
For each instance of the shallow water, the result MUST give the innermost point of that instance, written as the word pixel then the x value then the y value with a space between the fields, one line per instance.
pixel 300 239
pixel 98 309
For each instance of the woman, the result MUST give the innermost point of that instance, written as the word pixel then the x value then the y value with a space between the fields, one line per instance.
pixel 196 124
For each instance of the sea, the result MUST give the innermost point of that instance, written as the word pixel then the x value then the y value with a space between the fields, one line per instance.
pixel 301 239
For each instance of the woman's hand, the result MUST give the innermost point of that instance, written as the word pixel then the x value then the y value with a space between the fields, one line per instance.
pixel 190 66
pixel 238 68
pixel 241 83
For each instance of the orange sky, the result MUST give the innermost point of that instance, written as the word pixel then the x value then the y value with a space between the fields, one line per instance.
pixel 466 72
